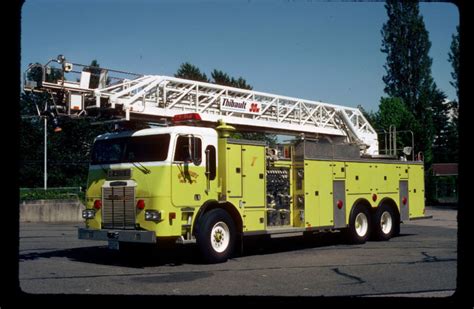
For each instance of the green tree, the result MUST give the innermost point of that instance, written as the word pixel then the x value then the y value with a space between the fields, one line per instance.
pixel 192 72
pixel 442 148
pixel 31 143
pixel 69 151
pixel 241 83
pixel 393 112
pixel 453 125
pixel 452 135
pixel 221 78
pixel 453 57
pixel 408 68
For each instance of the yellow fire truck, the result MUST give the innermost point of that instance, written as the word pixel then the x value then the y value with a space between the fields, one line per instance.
pixel 188 180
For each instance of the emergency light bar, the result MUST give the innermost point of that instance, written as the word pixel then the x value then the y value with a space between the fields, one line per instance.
pixel 186 117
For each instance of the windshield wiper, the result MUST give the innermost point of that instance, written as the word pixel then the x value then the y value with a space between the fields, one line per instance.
pixel 141 168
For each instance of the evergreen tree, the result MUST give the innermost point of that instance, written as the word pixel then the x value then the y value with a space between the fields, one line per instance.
pixel 221 78
pixel 408 68
pixel 241 83
pixel 31 143
pixel 224 79
pixel 192 72
pixel 453 126
pixel 393 112
pixel 441 151
pixel 453 57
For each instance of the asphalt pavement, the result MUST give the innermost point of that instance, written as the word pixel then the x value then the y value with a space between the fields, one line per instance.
pixel 421 262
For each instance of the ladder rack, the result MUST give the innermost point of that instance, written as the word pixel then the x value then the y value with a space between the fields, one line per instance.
pixel 157 96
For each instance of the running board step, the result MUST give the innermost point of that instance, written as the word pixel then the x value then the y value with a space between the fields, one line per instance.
pixel 287 234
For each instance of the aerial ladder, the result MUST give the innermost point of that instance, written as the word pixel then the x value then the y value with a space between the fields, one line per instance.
pixel 78 90
pixel 205 187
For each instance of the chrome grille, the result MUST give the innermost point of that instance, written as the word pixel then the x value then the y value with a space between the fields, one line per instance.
pixel 118 210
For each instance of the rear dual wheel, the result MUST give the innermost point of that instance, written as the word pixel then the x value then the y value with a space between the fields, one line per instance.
pixel 385 223
pixel 359 228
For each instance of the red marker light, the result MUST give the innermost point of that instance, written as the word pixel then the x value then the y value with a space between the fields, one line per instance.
pixel 97 204
pixel 141 204
pixel 186 117
pixel 340 204
pixel 374 197
pixel 172 215
pixel 404 200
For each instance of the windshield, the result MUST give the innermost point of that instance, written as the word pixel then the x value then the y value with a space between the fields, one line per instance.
pixel 131 149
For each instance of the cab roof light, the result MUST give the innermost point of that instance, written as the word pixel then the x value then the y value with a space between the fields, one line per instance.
pixel 186 117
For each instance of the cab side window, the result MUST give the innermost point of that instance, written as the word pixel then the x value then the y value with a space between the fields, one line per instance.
pixel 188 149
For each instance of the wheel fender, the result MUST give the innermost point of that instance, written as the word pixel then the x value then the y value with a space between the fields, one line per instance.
pixel 212 204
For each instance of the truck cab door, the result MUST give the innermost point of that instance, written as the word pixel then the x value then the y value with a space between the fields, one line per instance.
pixel 188 178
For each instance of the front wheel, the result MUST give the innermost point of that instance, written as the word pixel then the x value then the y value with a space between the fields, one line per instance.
pixel 359 225
pixel 216 236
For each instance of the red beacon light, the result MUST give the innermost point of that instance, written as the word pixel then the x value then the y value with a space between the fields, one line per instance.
pixel 190 117
pixel 141 204
pixel 97 204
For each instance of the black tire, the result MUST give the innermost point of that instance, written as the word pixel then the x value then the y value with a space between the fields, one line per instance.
pixel 216 236
pixel 385 223
pixel 358 231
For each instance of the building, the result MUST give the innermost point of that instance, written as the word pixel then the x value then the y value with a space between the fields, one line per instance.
pixel 446 182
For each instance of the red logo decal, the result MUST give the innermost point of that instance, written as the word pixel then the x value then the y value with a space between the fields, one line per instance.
pixel 254 108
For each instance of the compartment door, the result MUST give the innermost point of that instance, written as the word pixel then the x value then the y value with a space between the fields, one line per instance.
pixel 339 193
pixel 253 175
pixel 253 187
pixel 234 171
pixel 404 212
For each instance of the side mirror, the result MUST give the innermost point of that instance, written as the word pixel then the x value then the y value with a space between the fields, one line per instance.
pixel 193 150
pixel 196 149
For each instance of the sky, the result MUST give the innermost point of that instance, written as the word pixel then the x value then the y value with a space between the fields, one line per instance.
pixel 326 51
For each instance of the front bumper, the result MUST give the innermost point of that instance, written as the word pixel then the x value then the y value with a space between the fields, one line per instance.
pixel 147 237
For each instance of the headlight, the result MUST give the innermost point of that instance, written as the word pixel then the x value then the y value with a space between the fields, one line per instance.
pixel 88 213
pixel 152 215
